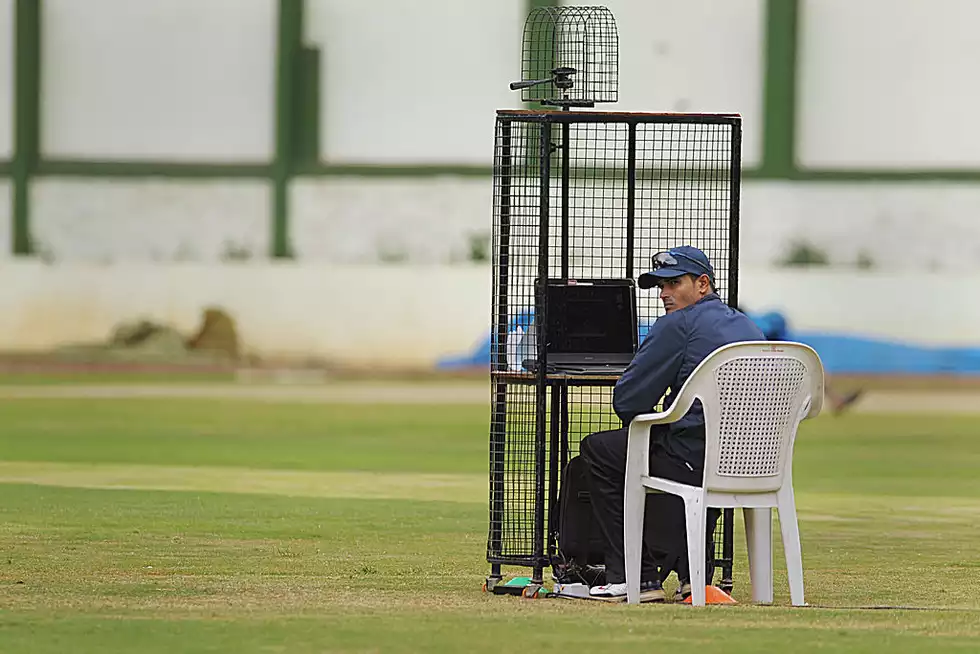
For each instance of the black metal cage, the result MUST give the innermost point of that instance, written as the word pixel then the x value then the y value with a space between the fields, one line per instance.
pixel 587 195
pixel 581 41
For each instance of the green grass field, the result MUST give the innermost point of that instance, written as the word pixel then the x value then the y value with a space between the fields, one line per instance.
pixel 231 526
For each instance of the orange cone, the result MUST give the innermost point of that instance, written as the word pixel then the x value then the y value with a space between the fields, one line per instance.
pixel 715 595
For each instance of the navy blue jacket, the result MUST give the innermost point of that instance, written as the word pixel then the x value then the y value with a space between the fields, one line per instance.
pixel 676 344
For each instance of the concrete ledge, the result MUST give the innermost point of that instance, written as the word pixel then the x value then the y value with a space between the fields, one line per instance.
pixel 377 317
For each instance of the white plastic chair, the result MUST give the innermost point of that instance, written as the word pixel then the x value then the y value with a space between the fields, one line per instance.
pixel 754 394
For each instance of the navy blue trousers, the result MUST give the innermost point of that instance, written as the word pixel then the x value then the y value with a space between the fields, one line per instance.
pixel 665 530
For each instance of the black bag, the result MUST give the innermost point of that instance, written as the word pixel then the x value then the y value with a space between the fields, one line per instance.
pixel 581 556
pixel 581 547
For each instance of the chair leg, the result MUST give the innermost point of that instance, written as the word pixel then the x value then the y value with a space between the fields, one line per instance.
pixel 790 529
pixel 758 538
pixel 695 518
pixel 634 502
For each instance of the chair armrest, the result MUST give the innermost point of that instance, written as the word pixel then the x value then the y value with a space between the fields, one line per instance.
pixel 814 404
pixel 638 444
pixel 637 451
pixel 672 487
pixel 678 410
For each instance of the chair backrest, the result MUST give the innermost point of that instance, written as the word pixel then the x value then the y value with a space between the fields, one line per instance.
pixel 754 395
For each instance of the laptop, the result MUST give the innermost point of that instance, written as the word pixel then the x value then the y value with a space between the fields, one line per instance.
pixel 591 326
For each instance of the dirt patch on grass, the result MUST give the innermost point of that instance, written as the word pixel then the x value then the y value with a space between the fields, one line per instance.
pixel 360 393
pixel 296 483
pixel 951 401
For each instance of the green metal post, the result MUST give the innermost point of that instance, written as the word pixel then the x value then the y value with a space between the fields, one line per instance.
pixel 27 96
pixel 779 99
pixel 538 44
pixel 287 56
pixel 306 108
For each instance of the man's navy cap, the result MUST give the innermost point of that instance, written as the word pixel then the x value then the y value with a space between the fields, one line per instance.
pixel 682 260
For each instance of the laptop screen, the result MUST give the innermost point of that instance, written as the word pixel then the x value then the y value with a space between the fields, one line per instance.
pixel 592 317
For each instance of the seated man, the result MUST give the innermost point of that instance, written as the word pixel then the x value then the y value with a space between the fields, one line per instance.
pixel 697 322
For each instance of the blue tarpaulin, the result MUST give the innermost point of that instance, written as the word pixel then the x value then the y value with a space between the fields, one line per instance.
pixel 840 353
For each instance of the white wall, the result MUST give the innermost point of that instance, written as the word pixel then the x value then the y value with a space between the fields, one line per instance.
pixel 930 225
pixel 414 82
pixel 192 80
pixel 374 315
pixel 430 220
pixel 889 84
pixel 184 80
pixel 697 55
pixel 413 315
pixel 909 307
pixel 434 221
pixel 112 220
pixel 884 83
pixel 352 219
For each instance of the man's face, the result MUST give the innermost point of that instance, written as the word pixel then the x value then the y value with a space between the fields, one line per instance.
pixel 679 292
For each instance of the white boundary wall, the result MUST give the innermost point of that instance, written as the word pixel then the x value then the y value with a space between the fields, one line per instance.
pixel 110 221
pixel 413 82
pixel 882 83
pixel 120 84
pixel 180 80
pixel 410 315
pixel 356 220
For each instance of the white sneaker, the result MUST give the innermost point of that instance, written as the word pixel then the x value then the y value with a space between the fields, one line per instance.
pixel 650 591
pixel 609 592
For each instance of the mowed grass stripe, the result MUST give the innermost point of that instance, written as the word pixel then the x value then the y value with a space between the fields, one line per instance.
pixel 442 487
pixel 314 437
pixel 298 483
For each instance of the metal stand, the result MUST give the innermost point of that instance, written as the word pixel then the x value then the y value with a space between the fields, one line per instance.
pixel 595 202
